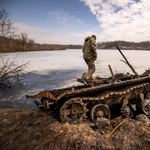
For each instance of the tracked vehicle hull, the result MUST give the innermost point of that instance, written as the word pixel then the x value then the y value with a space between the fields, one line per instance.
pixel 76 102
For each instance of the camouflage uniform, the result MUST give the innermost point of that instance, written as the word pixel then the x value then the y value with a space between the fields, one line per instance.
pixel 89 54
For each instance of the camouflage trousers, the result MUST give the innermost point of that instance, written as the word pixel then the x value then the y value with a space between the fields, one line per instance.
pixel 91 68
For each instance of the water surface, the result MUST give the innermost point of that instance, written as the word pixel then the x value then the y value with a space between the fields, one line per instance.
pixel 58 69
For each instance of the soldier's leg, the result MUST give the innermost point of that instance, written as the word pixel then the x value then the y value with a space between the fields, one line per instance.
pixel 91 68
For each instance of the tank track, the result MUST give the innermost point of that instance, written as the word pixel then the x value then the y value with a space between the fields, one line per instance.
pixel 101 98
pixel 64 111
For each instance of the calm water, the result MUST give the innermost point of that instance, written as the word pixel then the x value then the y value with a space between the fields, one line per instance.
pixel 57 69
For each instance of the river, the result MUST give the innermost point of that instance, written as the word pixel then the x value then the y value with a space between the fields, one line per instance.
pixel 57 69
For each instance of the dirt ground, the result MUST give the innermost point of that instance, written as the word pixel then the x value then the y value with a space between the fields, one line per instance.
pixel 22 129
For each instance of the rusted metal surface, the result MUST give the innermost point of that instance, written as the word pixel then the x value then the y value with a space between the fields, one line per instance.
pixel 47 104
pixel 109 98
pixel 85 90
pixel 73 110
pixel 79 100
pixel 46 94
pixel 88 89
pixel 111 72
pixel 127 62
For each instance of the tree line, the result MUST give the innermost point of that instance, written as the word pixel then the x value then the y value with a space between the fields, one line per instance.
pixel 145 45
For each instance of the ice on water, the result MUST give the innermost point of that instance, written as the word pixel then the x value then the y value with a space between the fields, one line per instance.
pixel 57 69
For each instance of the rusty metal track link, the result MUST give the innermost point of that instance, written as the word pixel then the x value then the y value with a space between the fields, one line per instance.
pixel 107 94
pixel 74 91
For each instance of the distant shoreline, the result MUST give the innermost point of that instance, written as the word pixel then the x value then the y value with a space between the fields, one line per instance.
pixel 16 45
pixel 76 49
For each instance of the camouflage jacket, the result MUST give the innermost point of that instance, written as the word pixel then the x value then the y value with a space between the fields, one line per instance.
pixel 89 48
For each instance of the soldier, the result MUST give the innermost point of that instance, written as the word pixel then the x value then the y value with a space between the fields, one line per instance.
pixel 89 55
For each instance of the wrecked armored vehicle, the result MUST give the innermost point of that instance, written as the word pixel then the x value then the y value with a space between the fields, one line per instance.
pixel 77 103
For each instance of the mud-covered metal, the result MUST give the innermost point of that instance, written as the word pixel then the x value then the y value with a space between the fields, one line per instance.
pixel 77 101
pixel 99 110
pixel 146 106
pixel 73 110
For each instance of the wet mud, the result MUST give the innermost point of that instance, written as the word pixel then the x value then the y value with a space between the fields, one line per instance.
pixel 22 129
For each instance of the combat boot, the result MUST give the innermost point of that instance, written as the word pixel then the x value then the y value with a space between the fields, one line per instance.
pixel 84 81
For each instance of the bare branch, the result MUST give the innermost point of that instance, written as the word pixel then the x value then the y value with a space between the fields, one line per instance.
pixel 6 26
pixel 11 73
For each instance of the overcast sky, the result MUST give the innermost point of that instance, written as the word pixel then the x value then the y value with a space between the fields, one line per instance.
pixel 70 21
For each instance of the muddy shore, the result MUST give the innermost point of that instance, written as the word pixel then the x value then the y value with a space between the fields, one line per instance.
pixel 22 129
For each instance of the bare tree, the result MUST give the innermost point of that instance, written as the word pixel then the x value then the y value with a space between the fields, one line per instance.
pixel 6 26
pixel 30 44
pixel 24 39
pixel 7 31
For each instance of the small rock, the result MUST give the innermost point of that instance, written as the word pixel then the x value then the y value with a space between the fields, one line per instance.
pixel 144 119
pixel 102 122
pixel 102 132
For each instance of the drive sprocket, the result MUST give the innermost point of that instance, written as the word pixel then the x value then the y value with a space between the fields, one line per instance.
pixel 73 111
pixel 125 111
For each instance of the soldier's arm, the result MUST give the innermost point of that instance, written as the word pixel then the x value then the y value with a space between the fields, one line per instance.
pixel 93 48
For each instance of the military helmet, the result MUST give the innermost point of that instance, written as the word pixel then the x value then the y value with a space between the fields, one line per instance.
pixel 94 36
